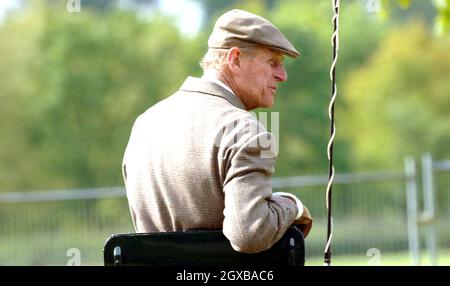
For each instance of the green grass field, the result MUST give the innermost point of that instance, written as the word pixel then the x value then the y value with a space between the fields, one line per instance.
pixel 34 235
pixel 386 259
pixel 51 249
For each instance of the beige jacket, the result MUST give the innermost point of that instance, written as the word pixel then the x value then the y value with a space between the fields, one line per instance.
pixel 199 160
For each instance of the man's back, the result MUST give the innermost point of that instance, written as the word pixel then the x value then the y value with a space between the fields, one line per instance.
pixel 195 161
pixel 179 184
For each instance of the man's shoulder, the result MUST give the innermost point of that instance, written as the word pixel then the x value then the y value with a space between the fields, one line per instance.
pixel 216 91
pixel 243 125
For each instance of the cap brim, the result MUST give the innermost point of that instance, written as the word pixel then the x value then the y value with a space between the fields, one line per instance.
pixel 292 54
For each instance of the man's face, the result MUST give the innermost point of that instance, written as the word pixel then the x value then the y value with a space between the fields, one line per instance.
pixel 259 77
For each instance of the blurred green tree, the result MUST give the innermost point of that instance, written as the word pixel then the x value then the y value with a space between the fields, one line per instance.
pixel 213 8
pixel 72 86
pixel 303 100
pixel 397 105
pixel 436 12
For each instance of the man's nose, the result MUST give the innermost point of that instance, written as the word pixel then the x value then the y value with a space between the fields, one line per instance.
pixel 280 73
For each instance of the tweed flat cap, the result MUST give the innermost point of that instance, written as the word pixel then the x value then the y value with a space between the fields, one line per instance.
pixel 238 28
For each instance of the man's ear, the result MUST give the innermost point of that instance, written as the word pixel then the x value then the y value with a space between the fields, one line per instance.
pixel 233 59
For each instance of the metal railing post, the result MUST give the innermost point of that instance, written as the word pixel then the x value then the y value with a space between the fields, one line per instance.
pixel 411 210
pixel 428 215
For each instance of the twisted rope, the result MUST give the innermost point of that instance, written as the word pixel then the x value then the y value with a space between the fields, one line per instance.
pixel 331 173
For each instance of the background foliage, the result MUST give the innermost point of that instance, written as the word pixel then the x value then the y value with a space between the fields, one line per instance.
pixel 72 84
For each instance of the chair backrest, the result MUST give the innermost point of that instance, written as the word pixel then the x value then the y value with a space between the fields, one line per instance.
pixel 199 248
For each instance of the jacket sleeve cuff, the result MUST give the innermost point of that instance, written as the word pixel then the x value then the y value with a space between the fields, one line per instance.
pixel 297 202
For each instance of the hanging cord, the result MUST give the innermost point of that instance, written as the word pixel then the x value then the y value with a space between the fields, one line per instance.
pixel 335 42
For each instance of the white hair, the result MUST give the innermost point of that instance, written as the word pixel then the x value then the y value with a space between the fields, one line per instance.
pixel 217 58
pixel 214 59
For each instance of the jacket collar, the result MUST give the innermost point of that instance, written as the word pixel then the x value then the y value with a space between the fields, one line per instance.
pixel 195 84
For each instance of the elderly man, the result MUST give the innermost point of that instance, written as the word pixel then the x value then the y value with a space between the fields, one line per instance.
pixel 200 160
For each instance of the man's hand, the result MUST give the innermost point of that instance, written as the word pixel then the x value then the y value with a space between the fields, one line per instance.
pixel 304 222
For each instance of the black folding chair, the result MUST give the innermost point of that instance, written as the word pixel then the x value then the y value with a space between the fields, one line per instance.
pixel 199 248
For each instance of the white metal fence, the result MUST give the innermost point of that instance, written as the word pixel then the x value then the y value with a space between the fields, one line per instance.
pixel 378 210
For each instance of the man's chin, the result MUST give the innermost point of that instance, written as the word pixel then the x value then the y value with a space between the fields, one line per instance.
pixel 269 103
